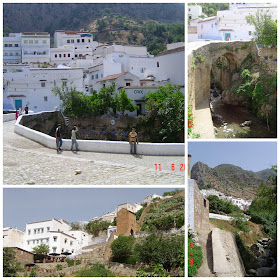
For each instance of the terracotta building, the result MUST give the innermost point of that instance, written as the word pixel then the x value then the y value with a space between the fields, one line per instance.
pixel 126 222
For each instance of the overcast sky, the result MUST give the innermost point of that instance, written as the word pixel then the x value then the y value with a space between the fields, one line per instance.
pixel 253 156
pixel 23 205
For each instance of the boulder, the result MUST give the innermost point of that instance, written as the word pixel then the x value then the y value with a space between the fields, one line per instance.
pixel 266 272
pixel 253 272
pixel 246 123
pixel 258 250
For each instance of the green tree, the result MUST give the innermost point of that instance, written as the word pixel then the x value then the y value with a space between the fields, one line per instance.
pixel 94 227
pixel 122 247
pixel 10 265
pixel 41 249
pixel 167 104
pixel 124 103
pixel 266 28
pixel 75 226
pixel 6 31
pixel 156 249
pixel 101 24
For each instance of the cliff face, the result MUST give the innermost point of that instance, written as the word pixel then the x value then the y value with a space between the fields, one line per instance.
pixel 229 179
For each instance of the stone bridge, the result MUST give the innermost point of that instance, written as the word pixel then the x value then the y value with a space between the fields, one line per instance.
pixel 213 62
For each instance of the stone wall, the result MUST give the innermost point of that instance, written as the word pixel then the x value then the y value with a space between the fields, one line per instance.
pixel 23 256
pixel 198 207
pixel 269 56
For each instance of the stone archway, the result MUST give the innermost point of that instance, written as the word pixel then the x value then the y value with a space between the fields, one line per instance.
pixel 223 69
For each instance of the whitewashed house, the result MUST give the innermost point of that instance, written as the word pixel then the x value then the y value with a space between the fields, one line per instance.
pixel 233 24
pixel 57 234
pixel 77 38
pixel 194 11
pixel 33 86
pixel 150 198
pixel 207 29
pixel 35 47
pixel 13 238
pixel 12 48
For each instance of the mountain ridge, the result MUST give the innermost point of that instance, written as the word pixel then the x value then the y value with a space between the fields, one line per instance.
pixel 229 179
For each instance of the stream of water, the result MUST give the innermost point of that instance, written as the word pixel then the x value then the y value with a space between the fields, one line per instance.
pixel 228 120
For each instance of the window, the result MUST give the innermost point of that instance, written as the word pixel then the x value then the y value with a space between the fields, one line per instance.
pixel 6 45
pixel 127 84
pixel 30 42
pixel 142 70
pixel 43 84
pixel 157 64
pixel 92 77
pixel 204 202
pixel 48 229
pixel 37 241
pixel 64 84
pixel 36 42
pixel 72 251
pixel 78 40
pixel 54 238
pixel 62 250
pixel 68 54
pixel 54 249
pixel 55 55
pixel 27 242
pixel 89 40
pixel 60 55
pixel 71 243
pixel 33 241
pixel 44 41
pixel 34 231
pixel 10 45
pixel 45 98
pixel 65 240
pixel 101 75
pixel 25 41
pixel 76 55
pixel 29 231
pixel 83 40
pixel 80 55
pixel 64 55
pixel 47 240
pixel 68 41
pixel 96 76
pixel 250 33
pixel 72 41
pixel 16 53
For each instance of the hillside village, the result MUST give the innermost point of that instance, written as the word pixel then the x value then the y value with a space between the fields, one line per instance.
pixel 84 247
pixel 32 68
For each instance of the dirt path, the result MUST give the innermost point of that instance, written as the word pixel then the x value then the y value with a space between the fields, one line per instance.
pixel 206 269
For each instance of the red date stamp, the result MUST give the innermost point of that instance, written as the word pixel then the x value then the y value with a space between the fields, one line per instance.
pixel 174 167
pixel 191 254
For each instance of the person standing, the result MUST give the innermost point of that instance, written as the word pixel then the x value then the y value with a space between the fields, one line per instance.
pixel 74 138
pixel 20 111
pixel 26 109
pixel 133 139
pixel 58 137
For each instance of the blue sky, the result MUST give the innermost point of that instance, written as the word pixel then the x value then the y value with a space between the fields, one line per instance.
pixel 253 156
pixel 23 205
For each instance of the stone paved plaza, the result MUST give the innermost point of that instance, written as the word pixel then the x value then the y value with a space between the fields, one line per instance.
pixel 26 162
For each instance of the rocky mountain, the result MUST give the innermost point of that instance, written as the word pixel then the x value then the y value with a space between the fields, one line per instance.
pixel 48 17
pixel 229 179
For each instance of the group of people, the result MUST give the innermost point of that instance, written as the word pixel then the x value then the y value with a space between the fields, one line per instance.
pixel 19 112
pixel 133 139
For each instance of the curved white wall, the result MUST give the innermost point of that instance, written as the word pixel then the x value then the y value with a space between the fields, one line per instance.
pixel 120 147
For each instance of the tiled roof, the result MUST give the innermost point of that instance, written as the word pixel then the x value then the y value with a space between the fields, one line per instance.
pixel 113 77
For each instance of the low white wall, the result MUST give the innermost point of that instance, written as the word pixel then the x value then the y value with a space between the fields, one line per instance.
pixel 120 147
pixel 9 117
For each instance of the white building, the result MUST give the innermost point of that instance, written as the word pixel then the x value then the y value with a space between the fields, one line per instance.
pixel 207 29
pixel 62 55
pixel 194 11
pixel 149 198
pixel 12 48
pixel 57 234
pixel 170 67
pixel 76 38
pixel 233 24
pixel 13 238
pixel 33 86
pixel 127 206
pixel 35 47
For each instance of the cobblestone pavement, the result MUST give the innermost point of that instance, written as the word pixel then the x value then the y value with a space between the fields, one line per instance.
pixel 26 162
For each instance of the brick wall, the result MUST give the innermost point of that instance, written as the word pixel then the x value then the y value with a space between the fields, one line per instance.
pixel 126 221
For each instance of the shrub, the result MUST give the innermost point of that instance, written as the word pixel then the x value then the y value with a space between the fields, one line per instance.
pixel 122 248
pixel 196 259
pixel 59 267
pixel 10 266
pixel 70 262
pixel 96 270
pixel 158 250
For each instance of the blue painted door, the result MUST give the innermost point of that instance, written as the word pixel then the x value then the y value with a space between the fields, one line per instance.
pixel 18 103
